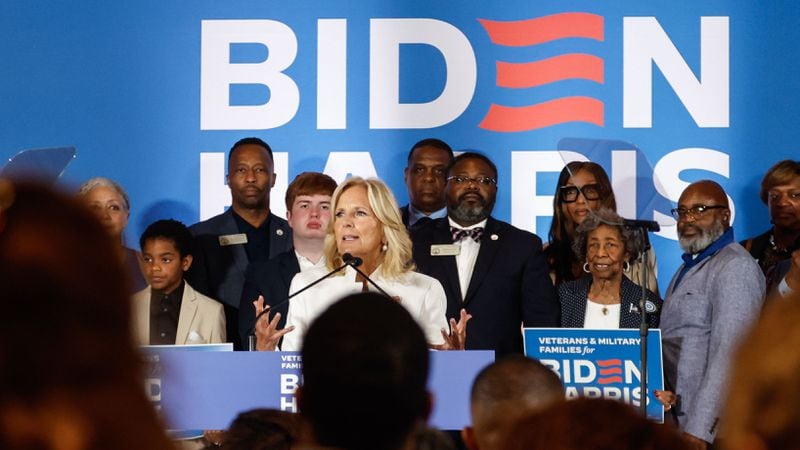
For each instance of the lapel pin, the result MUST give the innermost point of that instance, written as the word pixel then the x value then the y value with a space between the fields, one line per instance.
pixel 494 237
pixel 279 232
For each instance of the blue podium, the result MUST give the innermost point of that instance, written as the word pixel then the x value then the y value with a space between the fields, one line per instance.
pixel 207 389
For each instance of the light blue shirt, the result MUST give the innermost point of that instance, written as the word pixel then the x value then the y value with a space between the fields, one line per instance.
pixel 414 214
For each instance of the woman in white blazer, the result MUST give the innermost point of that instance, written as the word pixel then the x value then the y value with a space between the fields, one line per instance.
pixel 367 225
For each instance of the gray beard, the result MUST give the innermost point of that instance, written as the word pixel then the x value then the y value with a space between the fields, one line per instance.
pixel 464 213
pixel 705 238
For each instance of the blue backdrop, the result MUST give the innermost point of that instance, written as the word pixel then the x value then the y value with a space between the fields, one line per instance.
pixel 151 92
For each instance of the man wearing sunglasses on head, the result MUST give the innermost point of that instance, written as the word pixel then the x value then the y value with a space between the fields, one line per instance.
pixel 494 270
pixel 712 300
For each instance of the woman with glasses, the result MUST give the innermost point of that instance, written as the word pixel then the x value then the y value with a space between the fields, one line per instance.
pixel 583 187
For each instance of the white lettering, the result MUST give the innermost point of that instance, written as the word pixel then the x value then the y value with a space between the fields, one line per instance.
pixel 342 165
pixel 332 74
pixel 385 109
pixel 645 43
pixel 217 74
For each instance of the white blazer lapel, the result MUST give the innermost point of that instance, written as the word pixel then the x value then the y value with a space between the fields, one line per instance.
pixel 187 314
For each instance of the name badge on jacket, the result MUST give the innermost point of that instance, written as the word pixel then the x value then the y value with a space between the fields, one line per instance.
pixel 233 239
pixel 445 249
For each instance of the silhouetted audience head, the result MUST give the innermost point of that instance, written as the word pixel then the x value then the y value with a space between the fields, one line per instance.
pixel 365 369
pixel 69 372
pixel 591 423
pixel 502 392
pixel 763 410
pixel 427 438
pixel 263 429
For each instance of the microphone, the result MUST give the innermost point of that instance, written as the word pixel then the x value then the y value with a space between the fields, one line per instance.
pixel 647 225
pixel 347 258
pixel 354 261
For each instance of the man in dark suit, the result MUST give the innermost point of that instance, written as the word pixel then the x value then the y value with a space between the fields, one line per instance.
pixel 246 232
pixel 495 271
pixel 424 178
pixel 308 210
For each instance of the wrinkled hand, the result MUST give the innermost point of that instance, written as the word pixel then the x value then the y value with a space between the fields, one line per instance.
pixel 793 277
pixel 457 337
pixel 267 333
pixel 667 398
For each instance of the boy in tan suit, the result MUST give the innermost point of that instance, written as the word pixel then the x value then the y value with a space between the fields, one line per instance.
pixel 169 311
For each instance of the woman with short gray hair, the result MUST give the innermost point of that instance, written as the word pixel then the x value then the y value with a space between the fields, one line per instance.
pixel 109 203
pixel 607 299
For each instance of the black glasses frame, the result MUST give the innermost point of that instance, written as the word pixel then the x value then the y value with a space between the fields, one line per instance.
pixel 695 212
pixel 569 194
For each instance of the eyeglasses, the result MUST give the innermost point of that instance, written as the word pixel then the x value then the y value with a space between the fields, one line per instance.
pixel 461 179
pixel 695 212
pixel 569 194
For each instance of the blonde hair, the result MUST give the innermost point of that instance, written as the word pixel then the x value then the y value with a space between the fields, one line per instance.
pixel 396 260
pixel 764 394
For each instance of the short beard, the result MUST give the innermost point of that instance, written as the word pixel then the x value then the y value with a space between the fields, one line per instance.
pixel 473 214
pixel 703 240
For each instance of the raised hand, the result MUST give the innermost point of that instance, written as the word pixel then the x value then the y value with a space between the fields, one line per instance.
pixel 456 338
pixel 267 333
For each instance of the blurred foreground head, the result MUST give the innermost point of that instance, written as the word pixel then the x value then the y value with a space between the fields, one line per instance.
pixel 763 410
pixel 67 361
pixel 504 391
pixel 365 370
pixel 591 423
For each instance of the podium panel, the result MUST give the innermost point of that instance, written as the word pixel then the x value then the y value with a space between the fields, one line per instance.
pixel 206 390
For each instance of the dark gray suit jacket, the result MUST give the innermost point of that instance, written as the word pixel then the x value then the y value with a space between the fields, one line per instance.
pixel 272 280
pixel 218 270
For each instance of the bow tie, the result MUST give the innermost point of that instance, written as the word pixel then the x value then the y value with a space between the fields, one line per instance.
pixel 460 234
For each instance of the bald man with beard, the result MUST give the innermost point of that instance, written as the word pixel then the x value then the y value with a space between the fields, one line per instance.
pixel 711 302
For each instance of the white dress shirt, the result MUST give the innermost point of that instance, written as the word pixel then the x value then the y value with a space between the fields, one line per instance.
pixel 465 261
pixel 306 263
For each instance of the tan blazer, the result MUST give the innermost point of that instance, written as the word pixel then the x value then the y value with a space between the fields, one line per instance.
pixel 201 320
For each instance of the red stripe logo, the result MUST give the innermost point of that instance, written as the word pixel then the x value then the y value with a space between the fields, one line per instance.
pixel 541 73
pixel 611 371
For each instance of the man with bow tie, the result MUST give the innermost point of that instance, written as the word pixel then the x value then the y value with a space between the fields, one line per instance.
pixel 495 271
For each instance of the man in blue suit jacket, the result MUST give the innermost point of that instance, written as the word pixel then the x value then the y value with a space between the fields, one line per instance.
pixel 246 232
pixel 493 270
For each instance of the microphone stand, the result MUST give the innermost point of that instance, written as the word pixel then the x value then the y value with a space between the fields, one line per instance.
pixel 251 338
pixel 361 272
pixel 641 227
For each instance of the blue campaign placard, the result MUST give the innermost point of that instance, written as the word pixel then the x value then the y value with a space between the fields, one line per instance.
pixel 600 363
pixel 206 390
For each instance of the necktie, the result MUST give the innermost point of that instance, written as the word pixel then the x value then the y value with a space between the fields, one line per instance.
pixel 460 234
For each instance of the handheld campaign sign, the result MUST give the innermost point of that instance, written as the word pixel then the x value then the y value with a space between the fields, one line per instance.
pixel 206 390
pixel 600 363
